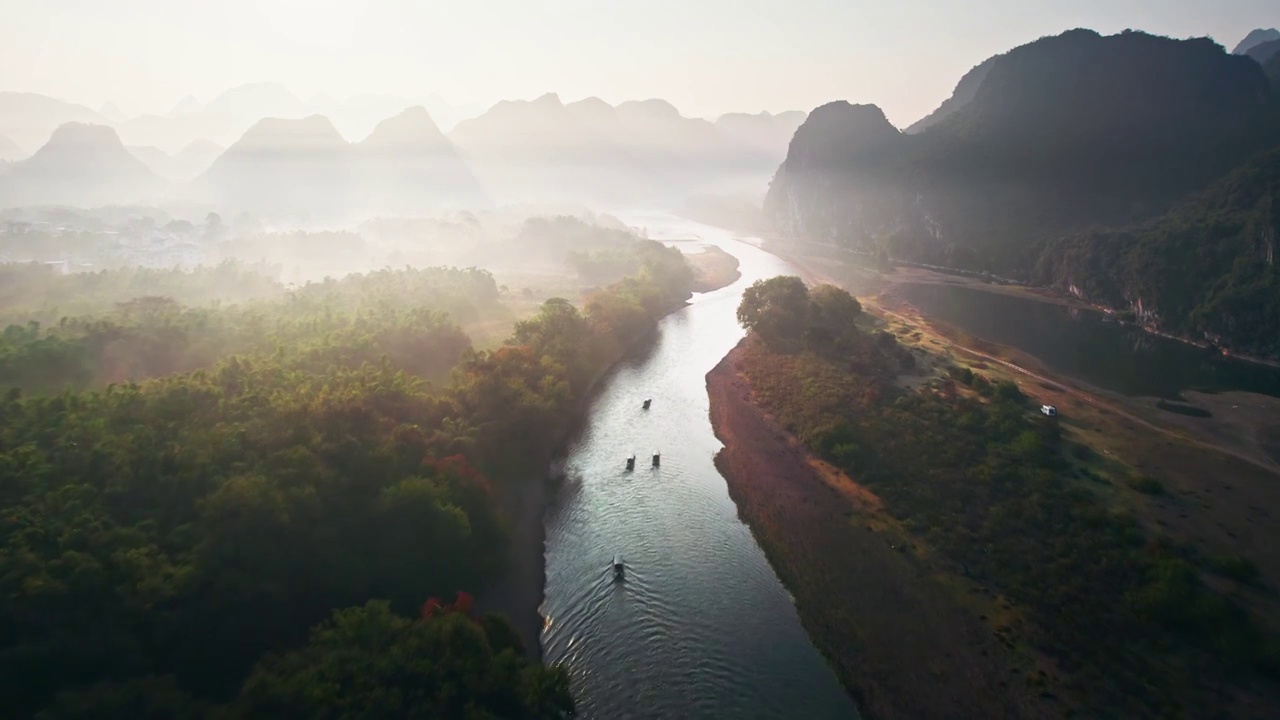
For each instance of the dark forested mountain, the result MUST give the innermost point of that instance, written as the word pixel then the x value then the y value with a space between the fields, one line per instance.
pixel 30 119
pixel 760 140
pixel 407 165
pixel 965 91
pixel 1272 69
pixel 1255 38
pixel 1207 269
pixel 1268 56
pixel 1068 131
pixel 81 165
pixel 1065 134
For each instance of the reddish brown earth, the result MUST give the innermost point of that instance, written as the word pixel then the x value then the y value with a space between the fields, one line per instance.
pixel 897 636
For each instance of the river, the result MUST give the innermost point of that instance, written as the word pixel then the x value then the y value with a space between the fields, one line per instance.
pixel 1082 344
pixel 700 626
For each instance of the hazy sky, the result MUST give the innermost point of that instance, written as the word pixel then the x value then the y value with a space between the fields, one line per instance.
pixel 706 56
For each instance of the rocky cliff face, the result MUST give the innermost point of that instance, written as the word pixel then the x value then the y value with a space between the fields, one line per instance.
pixel 1063 133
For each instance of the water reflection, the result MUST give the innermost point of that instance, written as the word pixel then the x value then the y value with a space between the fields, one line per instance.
pixel 1082 344
pixel 700 626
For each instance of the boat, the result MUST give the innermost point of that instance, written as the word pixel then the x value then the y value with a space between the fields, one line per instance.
pixel 647 403
pixel 631 463
pixel 618 568
pixel 657 459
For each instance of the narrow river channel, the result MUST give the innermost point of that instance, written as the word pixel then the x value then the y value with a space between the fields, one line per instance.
pixel 700 626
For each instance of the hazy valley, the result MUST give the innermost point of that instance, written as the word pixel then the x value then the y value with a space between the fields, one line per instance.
pixel 555 407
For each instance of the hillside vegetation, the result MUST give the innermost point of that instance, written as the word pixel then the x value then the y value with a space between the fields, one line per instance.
pixel 1131 622
pixel 166 543
pixel 1076 136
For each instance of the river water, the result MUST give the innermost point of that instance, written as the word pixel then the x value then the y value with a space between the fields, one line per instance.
pixel 700 627
pixel 1082 344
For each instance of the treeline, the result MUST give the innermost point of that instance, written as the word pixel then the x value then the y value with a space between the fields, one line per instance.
pixel 407 315
pixel 976 477
pixel 166 545
pixel 41 293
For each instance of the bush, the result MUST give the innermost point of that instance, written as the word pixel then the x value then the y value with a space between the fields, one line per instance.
pixel 1147 485
pixel 1236 567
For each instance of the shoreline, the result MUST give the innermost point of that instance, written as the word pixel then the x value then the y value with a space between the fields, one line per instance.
pixel 891 625
pixel 792 252
pixel 519 592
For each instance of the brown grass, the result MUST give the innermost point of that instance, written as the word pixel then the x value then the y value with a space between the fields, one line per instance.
pixel 878 607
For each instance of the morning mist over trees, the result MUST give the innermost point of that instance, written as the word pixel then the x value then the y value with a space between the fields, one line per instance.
pixel 378 359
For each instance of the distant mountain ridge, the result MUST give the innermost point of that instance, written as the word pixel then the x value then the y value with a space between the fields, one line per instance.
pixel 1254 38
pixel 306 167
pixel 180 167
pixel 30 119
pixel 82 165
pixel 9 150
pixel 1076 128
pixel 636 152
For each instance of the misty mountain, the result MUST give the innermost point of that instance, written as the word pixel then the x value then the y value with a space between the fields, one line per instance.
pixel 305 167
pixel 1064 132
pixel 636 152
pixel 81 165
pixel 965 91
pixel 1263 52
pixel 1254 38
pixel 254 101
pixel 542 151
pixel 173 134
pixel 180 167
pixel 186 106
pixel 763 134
pixel 112 113
pixel 30 119
pixel 357 116
pixel 408 166
pixel 9 150
pixel 281 165
pixel 229 115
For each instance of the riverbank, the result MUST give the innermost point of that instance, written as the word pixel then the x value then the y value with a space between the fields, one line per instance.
pixel 518 594
pixel 713 268
pixel 884 617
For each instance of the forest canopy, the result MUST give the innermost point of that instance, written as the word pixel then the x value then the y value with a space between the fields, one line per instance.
pixel 172 534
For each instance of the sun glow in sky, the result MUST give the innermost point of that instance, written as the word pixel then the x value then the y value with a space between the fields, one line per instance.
pixel 705 56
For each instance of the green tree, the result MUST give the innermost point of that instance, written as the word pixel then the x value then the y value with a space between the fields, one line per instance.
pixel 368 662
pixel 777 310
